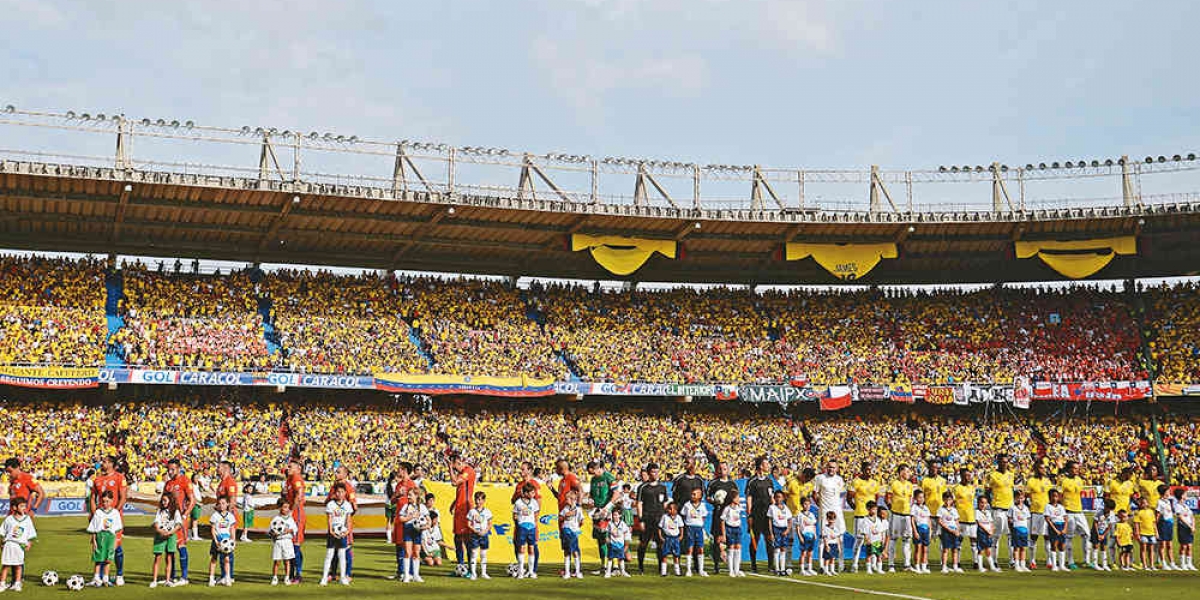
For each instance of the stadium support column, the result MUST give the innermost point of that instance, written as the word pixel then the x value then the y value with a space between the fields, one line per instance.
pixel 1129 184
pixel 999 190
pixel 877 187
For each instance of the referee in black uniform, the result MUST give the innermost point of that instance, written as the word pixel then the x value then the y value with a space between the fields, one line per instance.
pixel 651 505
pixel 720 494
pixel 686 482
pixel 759 490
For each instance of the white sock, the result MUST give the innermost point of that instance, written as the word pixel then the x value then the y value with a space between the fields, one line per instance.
pixel 482 560
pixel 328 563
pixel 700 562
pixel 567 564
pixel 662 568
pixel 341 553
pixel 521 563
pixel 858 543
pixel 404 567
pixel 416 565
pixel 907 545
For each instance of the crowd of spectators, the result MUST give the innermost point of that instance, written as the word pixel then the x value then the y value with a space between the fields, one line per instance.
pixel 198 321
pixel 51 311
pixel 1174 320
pixel 62 440
pixel 341 324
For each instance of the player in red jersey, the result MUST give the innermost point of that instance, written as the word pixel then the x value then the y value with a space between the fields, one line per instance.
pixel 22 485
pixel 180 487
pixel 567 482
pixel 462 476
pixel 227 488
pixel 293 492
pixel 404 483
pixel 111 480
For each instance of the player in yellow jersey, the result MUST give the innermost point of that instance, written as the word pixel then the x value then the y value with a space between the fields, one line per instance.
pixel 964 502
pixel 863 489
pixel 1077 524
pixel 1038 489
pixel 934 485
pixel 799 486
pixel 1119 490
pixel 1000 484
pixel 1148 485
pixel 899 499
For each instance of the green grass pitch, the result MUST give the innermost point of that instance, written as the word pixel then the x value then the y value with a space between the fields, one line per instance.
pixel 63 546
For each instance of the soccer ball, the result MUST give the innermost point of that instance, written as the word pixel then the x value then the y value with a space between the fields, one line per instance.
pixel 513 569
pixel 50 578
pixel 719 496
pixel 225 545
pixel 461 570
pixel 278 529
pixel 75 583
pixel 339 530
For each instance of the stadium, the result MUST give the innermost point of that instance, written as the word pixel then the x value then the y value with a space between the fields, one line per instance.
pixel 341 365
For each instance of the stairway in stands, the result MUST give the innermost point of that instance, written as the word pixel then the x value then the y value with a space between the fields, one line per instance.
pixel 114 287
pixel 269 333
pixel 534 313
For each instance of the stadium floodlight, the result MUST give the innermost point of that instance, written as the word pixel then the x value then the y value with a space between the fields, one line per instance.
pixel 259 131
pixel 1095 163
pixel 450 210
pixel 70 114
pixel 272 131
pixel 328 136
pixel 85 117
pixel 101 117
pixel 1177 158
pixel 1054 165
pixel 1162 159
pixel 295 199
pixel 341 138
pixel 352 139
pixel 1108 163
pixel 954 169
pixel 942 169
pixel 160 122
pixel 245 129
pixel 1028 166
pixel 1069 165
pixel 10 109
pixel 1042 166
pixel 978 168
pixel 312 135
pixel 1191 156
pixel 189 124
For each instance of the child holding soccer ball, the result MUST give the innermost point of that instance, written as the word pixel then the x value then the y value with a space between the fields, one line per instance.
pixel 338 512
pixel 224 531
pixel 283 529
pixel 105 524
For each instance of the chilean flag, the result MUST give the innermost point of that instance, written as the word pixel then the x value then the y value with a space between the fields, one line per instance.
pixel 836 398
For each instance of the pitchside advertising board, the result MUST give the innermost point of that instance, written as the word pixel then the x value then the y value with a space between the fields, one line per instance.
pixel 55 507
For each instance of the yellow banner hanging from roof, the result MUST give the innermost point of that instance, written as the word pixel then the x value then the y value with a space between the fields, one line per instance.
pixel 621 255
pixel 844 261
pixel 1080 258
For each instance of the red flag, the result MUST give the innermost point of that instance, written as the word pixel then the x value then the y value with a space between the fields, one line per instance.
pixel 836 398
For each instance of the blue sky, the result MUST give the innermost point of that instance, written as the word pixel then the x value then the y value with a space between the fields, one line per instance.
pixel 813 83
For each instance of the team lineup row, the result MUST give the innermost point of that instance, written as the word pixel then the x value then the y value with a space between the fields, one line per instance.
pixel 800 517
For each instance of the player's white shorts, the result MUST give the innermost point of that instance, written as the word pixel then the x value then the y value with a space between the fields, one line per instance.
pixel 901 527
pixel 1000 521
pixel 282 550
pixel 969 530
pixel 1077 524
pixel 861 527
pixel 1037 524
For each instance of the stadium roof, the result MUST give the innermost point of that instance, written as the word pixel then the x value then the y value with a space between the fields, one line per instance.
pixel 269 214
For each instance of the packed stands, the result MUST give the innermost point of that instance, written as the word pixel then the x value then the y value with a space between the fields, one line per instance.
pixel 370 436
pixel 342 324
pixel 198 321
pixel 52 311
pixel 1174 315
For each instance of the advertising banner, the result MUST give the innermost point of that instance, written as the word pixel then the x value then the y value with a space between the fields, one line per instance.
pixel 1112 391
pixel 782 394
pixel 50 378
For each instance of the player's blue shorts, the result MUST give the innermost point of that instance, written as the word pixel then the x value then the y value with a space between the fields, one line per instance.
pixel 525 536
pixel 733 535
pixel 570 541
pixel 1185 534
pixel 670 545
pixel 922 538
pixel 693 537
pixel 950 541
pixel 983 539
pixel 478 541
pixel 411 533
pixel 1166 530
pixel 830 552
pixel 616 550
pixel 336 543
pixel 1052 536
pixel 783 537
pixel 1020 537
pixel 808 542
